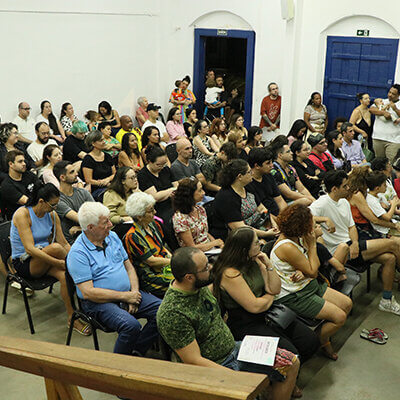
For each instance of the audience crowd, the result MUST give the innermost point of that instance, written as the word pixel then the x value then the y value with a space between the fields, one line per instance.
pixel 146 218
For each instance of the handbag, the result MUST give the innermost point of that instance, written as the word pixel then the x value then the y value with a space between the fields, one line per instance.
pixel 280 315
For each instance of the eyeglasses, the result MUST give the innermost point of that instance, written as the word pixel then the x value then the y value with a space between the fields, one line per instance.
pixel 134 177
pixel 52 206
pixel 25 108
pixel 205 269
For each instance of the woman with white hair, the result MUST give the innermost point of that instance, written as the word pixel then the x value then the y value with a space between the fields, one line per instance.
pixel 145 245
pixel 141 112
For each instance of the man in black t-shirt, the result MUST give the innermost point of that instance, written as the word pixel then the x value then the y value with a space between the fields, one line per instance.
pixel 17 188
pixel 263 185
pixel 74 148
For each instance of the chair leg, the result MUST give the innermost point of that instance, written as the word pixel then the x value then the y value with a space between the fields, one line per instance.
pixel 95 340
pixel 28 310
pixel 7 282
pixel 71 328
pixel 50 289
pixel 368 279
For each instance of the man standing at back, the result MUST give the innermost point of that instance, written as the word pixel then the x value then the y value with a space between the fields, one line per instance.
pixel 271 113
pixel 386 133
pixel 25 124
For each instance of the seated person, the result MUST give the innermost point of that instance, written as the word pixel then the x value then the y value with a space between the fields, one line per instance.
pixel 130 155
pixel 18 187
pixel 71 198
pixel 127 127
pixel 108 114
pixel 333 211
pixel 153 112
pixel 38 245
pixel 51 156
pixel 351 148
pixel 383 164
pixel 254 138
pixel 156 179
pixel 376 183
pixel 107 283
pixel 234 206
pixel 115 197
pixel 35 149
pixel 286 177
pixel 97 167
pixel 25 124
pixel 198 334
pixel 112 146
pixel 9 141
pixel 184 166
pixel 263 184
pixel 174 126
pixel 190 219
pixel 319 155
pixel 74 148
pixel 396 180
pixel 145 245
pixel 308 173
pixel 151 137
pixel 245 282
pixel 295 258
pixel 335 143
pixel 204 146
pixel 239 141
pixel 141 113
pixel 214 164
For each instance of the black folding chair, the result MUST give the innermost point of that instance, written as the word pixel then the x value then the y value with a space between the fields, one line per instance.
pixel 12 276
pixel 171 152
pixel 80 314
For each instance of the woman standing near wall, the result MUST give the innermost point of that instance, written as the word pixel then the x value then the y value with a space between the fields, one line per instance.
pixel 316 115
pixel 361 118
pixel 182 97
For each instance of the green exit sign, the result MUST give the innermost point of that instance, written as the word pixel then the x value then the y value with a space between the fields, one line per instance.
pixel 362 32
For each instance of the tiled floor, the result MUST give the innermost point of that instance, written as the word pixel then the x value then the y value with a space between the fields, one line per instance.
pixel 364 370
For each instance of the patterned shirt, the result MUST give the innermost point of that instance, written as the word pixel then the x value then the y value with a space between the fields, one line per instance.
pixel 197 226
pixel 210 169
pixel 67 123
pixel 187 316
pixel 141 245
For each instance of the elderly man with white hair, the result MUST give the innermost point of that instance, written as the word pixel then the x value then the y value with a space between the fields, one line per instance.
pixel 145 245
pixel 141 113
pixel 107 282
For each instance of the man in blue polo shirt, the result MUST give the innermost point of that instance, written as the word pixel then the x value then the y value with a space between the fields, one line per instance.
pixel 107 282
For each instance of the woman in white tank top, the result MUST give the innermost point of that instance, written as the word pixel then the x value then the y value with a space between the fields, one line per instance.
pixel 296 261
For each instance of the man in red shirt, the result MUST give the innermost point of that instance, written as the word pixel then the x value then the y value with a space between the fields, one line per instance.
pixel 319 157
pixel 271 113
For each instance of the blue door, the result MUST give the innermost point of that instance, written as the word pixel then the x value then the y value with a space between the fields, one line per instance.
pixel 355 65
pixel 200 36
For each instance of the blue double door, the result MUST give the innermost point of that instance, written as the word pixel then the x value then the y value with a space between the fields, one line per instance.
pixel 355 65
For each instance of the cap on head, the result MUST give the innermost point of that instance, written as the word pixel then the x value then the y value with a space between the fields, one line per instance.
pixel 153 107
pixel 313 140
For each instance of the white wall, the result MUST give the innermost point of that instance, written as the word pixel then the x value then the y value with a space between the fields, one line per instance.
pixel 93 50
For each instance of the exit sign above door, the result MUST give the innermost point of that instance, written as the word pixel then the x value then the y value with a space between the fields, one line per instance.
pixel 362 32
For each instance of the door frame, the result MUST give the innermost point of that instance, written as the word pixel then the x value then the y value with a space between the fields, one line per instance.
pixel 200 35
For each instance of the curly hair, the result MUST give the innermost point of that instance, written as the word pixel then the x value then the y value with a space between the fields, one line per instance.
pixel 295 220
pixel 5 131
pixel 183 200
pixel 357 179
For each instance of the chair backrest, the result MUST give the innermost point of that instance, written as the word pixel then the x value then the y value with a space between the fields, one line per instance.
pixel 5 245
pixel 71 287
pixel 171 152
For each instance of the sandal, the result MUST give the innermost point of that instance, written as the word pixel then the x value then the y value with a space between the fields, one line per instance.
pixel 384 335
pixel 328 352
pixel 85 330
pixel 375 337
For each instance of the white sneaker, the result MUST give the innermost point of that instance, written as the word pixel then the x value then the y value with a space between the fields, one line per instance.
pixel 16 285
pixel 390 306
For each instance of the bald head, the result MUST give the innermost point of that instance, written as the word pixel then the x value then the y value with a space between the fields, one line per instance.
pixel 126 123
pixel 24 110
pixel 184 150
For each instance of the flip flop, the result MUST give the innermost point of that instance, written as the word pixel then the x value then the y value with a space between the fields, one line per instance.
pixel 374 337
pixel 384 335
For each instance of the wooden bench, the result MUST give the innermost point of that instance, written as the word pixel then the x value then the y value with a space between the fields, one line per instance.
pixel 64 368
